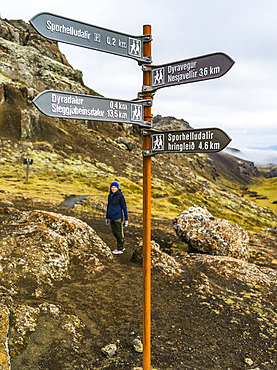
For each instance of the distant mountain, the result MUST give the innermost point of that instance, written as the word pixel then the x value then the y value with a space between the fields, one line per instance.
pixel 265 157
pixel 271 147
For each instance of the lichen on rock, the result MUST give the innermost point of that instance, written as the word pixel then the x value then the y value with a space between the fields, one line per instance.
pixel 206 234
pixel 39 248
pixel 160 260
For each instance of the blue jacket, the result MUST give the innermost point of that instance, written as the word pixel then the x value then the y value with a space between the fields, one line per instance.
pixel 116 204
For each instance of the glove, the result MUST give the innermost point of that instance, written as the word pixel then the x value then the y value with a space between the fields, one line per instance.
pixel 107 221
pixel 126 223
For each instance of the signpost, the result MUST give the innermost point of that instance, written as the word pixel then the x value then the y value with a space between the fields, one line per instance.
pixel 87 107
pixel 202 68
pixel 78 106
pixel 146 235
pixel 67 30
pixel 27 161
pixel 206 140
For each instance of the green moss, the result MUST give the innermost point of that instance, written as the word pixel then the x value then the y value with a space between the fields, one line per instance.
pixel 264 188
pixel 16 80
pixel 4 78
pixel 175 201
pixel 179 247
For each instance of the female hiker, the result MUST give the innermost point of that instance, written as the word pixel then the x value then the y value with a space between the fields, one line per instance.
pixel 114 217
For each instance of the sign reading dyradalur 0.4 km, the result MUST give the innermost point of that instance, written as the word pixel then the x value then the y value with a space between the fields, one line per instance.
pixel 61 104
pixel 68 30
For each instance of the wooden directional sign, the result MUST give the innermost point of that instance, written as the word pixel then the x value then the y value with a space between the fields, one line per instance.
pixel 67 30
pixel 206 140
pixel 205 67
pixel 87 107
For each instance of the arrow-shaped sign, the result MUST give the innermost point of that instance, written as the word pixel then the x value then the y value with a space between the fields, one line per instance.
pixel 201 68
pixel 87 107
pixel 68 30
pixel 206 140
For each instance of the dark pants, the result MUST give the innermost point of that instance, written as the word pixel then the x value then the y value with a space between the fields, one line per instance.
pixel 117 229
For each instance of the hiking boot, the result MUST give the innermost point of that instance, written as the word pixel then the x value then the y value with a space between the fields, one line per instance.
pixel 116 251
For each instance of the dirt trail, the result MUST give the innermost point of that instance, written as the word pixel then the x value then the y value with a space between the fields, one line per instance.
pixel 190 329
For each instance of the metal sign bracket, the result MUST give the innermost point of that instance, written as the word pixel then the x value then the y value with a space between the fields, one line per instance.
pixel 147 38
pixel 145 60
pixel 147 124
pixel 149 132
pixel 144 102
pixel 149 89
pixel 146 68
pixel 148 153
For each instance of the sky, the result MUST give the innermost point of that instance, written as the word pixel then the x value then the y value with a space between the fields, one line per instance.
pixel 243 102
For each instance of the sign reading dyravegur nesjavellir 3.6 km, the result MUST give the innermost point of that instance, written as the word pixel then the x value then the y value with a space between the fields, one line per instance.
pixel 201 68
pixel 61 104
pixel 73 32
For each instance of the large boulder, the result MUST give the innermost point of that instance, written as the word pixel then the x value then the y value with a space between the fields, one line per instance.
pixel 206 234
pixel 160 261
pixel 38 248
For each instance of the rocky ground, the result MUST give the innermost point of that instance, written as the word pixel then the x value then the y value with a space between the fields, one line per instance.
pixel 207 311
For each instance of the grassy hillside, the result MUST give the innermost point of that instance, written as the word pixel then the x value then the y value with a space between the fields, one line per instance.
pixel 264 193
pixel 58 174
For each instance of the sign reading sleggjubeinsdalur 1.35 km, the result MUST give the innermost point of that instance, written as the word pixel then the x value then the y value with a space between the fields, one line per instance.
pixel 73 32
pixel 62 104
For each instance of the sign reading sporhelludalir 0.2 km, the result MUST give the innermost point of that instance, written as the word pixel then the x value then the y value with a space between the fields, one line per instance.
pixel 55 27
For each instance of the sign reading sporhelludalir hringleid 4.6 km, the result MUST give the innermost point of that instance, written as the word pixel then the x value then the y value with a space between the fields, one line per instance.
pixel 206 140
pixel 73 32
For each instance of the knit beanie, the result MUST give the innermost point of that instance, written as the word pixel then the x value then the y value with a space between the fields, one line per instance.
pixel 115 184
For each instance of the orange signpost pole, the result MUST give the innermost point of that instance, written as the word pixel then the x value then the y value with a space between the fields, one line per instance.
pixel 147 220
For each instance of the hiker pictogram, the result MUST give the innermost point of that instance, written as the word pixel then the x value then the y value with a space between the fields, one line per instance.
pixel 134 47
pixel 136 112
pixel 158 77
pixel 158 142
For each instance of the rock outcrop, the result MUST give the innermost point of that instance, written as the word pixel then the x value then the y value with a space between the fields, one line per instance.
pixel 37 250
pixel 207 234
pixel 271 173
pixel 209 270
pixel 160 261
pixel 31 64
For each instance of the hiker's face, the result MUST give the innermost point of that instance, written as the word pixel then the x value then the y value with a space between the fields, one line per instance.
pixel 114 189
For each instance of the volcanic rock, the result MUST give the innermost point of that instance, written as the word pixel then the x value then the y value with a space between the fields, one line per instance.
pixel 109 350
pixel 31 64
pixel 160 261
pixel 207 234
pixel 137 345
pixel 129 143
pixel 38 248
